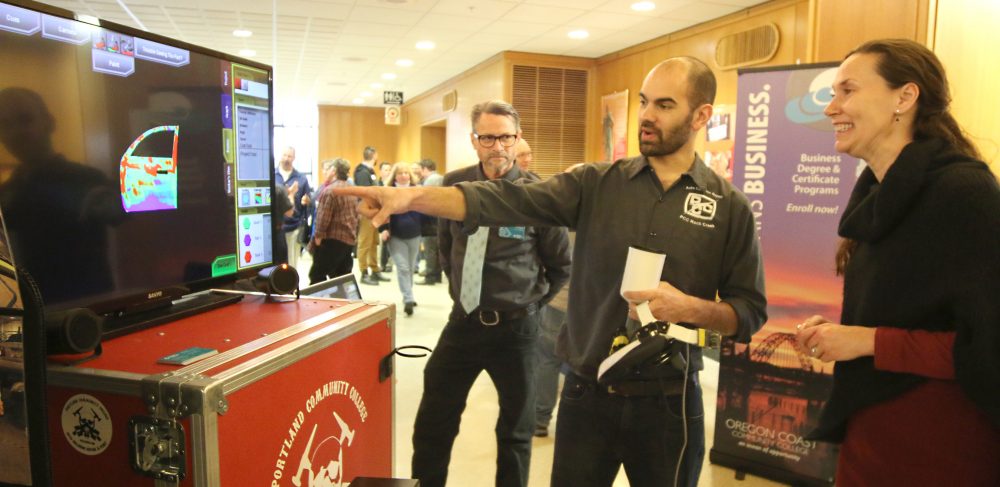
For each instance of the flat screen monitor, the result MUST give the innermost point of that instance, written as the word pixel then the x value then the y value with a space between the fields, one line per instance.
pixel 341 287
pixel 133 168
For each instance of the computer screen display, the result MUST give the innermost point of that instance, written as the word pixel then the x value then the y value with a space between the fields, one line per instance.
pixel 341 287
pixel 132 167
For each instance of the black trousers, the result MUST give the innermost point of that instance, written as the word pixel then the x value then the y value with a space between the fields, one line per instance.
pixel 467 347
pixel 331 258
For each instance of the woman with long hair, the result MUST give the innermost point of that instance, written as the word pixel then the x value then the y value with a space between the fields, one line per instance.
pixel 916 394
pixel 403 236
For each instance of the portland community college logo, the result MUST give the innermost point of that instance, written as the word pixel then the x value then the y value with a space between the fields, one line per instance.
pixel 325 459
pixel 699 206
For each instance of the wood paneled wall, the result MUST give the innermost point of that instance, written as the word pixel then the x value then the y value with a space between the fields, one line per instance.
pixel 811 31
pixel 964 36
pixel 434 145
pixel 481 83
pixel 841 25
pixel 345 131
pixel 626 69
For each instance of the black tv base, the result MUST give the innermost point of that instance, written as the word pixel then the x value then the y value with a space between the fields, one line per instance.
pixel 115 326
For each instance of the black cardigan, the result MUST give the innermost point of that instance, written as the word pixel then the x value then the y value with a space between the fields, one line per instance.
pixel 928 258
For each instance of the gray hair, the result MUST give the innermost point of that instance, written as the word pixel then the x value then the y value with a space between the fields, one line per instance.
pixel 496 107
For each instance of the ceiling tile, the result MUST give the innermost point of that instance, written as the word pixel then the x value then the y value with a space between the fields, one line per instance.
pixel 535 13
pixel 607 20
pixel 700 11
pixel 625 6
pixel 577 4
pixel 366 40
pixel 486 9
pixel 518 28
pixel 385 15
pixel 434 22
pixel 314 36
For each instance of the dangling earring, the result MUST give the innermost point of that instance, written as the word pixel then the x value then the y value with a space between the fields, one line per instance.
pixel 897 114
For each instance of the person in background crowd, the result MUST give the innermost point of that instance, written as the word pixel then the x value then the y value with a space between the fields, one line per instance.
pixel 429 229
pixel 285 207
pixel 367 248
pixel 653 422
pixel 336 226
pixel 552 317
pixel 498 279
pixel 286 175
pixel 523 155
pixel 918 343
pixel 385 177
pixel 402 233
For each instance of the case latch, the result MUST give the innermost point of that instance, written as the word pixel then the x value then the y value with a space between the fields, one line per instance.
pixel 157 448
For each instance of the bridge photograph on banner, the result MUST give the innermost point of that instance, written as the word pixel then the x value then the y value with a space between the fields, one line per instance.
pixel 770 395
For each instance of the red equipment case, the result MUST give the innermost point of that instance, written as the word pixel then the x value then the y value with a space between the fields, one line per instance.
pixel 293 398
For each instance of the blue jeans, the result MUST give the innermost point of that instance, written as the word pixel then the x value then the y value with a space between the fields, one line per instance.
pixel 466 348
pixel 598 432
pixel 547 371
pixel 404 256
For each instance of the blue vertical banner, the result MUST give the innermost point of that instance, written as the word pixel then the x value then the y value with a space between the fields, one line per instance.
pixel 770 395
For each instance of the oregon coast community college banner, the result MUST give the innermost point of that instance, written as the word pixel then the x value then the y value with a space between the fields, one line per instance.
pixel 770 395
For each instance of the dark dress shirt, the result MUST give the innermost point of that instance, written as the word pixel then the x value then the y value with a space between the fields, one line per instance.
pixel 703 224
pixel 522 266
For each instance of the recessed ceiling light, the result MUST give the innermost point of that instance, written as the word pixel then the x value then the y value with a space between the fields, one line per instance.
pixel 337 83
pixel 404 62
pixel 353 59
pixel 579 34
pixel 366 94
pixel 645 6
pixel 358 101
pixel 388 76
pixel 376 86
pixel 425 45
pixel 242 33
pixel 248 52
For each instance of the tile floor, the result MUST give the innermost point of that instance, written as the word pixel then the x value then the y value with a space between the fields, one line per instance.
pixel 474 454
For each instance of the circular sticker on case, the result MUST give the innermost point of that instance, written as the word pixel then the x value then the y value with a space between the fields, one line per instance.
pixel 86 424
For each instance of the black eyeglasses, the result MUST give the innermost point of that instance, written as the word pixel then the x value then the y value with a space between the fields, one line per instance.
pixel 506 140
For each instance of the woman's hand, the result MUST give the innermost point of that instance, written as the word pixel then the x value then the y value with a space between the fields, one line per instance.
pixel 832 342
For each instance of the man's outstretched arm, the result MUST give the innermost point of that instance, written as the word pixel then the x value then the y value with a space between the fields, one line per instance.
pixel 379 202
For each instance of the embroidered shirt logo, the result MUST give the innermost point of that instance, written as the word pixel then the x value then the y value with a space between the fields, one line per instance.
pixel 699 206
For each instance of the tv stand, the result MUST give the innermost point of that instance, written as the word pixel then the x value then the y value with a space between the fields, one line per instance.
pixel 115 326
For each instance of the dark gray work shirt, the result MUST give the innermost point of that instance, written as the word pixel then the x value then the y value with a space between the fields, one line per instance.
pixel 523 265
pixel 702 223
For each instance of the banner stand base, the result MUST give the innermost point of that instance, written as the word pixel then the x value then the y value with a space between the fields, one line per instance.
pixel 744 466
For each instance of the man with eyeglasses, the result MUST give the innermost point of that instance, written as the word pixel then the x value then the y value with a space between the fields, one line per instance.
pixel 517 272
pixel 665 200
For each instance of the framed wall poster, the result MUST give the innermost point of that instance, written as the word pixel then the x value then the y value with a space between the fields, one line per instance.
pixel 614 125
